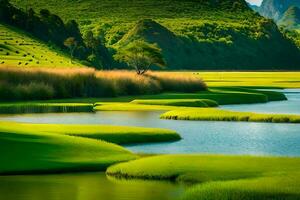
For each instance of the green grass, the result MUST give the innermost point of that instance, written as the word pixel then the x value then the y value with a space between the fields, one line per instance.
pixel 19 49
pixel 52 148
pixel 221 95
pixel 178 102
pixel 221 177
pixel 211 114
pixel 261 79
pixel 12 108
pixel 25 150
pixel 224 33
pixel 113 134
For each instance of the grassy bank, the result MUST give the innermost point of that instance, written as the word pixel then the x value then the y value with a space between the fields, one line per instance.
pixel 179 102
pixel 41 84
pixel 210 114
pixel 114 134
pixel 31 151
pixel 13 108
pixel 221 177
pixel 50 148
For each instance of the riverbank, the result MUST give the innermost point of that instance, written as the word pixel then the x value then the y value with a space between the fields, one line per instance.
pixel 45 148
pixel 242 177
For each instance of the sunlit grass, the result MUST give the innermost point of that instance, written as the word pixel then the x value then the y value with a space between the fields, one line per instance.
pixel 32 151
pixel 220 177
pixel 179 102
pixel 18 49
pixel 109 133
pixel 211 114
pixel 253 79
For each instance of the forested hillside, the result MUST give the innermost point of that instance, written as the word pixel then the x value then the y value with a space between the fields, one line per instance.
pixel 201 34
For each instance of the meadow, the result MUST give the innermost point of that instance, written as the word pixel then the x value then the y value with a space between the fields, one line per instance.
pixel 220 177
pixel 19 49
pixel 45 148
pixel 252 79
pixel 28 151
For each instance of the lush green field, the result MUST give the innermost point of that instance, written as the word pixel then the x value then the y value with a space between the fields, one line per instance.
pixel 49 148
pixel 221 177
pixel 29 151
pixel 251 79
pixel 113 134
pixel 18 49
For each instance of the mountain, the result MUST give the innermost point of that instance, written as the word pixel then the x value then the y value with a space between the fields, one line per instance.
pixel 254 7
pixel 20 49
pixel 291 18
pixel 275 9
pixel 193 34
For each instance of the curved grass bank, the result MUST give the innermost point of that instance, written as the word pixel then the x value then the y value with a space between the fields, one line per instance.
pixel 178 102
pixel 211 114
pixel 30 152
pixel 114 134
pixel 14 108
pixel 45 148
pixel 221 177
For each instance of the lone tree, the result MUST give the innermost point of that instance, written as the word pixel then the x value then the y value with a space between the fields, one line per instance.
pixel 141 56
pixel 71 43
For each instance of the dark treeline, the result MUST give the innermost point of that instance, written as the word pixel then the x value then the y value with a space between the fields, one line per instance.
pixel 51 28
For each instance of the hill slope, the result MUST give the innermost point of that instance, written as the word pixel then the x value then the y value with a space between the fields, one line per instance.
pixel 19 49
pixel 235 51
pixel 291 18
pixel 204 34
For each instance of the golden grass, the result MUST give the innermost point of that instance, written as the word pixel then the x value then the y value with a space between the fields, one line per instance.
pixel 48 83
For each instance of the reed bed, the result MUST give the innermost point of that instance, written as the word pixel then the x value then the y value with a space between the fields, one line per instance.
pixel 39 84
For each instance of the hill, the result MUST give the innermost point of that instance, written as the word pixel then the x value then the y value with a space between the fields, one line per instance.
pixel 291 18
pixel 275 9
pixel 204 34
pixel 236 51
pixel 19 49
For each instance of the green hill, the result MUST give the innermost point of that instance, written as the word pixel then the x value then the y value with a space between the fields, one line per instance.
pixel 201 34
pixel 19 49
pixel 291 18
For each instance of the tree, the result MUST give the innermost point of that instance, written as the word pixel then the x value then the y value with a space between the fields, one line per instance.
pixel 141 56
pixel 71 43
pixel 91 42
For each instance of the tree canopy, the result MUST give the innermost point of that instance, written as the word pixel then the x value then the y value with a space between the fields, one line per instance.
pixel 140 55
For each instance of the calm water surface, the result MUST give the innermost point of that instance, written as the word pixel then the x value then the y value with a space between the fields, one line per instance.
pixel 198 137
pixel 89 186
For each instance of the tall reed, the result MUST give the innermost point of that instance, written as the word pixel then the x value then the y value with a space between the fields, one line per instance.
pixel 37 84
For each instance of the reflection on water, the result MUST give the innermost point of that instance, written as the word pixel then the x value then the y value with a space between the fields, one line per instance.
pixel 90 186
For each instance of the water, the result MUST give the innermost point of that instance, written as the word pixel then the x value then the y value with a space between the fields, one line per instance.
pixel 292 106
pixel 198 137
pixel 87 186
